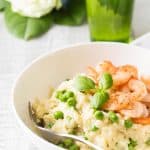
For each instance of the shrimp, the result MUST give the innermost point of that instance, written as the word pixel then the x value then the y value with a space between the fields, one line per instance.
pixel 128 95
pixel 118 101
pixel 120 78
pixel 92 73
pixel 129 69
pixel 146 98
pixel 138 110
pixel 147 104
pixel 138 89
pixel 96 73
pixel 121 75
pixel 134 91
pixel 146 80
pixel 124 88
pixel 143 121
pixel 124 74
pixel 106 66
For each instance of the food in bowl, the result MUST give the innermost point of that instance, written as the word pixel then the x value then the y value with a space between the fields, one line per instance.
pixel 109 106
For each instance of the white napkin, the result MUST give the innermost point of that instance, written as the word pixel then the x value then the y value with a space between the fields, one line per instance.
pixel 143 41
pixel 141 19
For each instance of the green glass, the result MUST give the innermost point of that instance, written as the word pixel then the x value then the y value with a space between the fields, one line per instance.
pixel 110 20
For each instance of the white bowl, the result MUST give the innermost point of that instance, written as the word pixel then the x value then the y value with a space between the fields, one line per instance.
pixel 52 68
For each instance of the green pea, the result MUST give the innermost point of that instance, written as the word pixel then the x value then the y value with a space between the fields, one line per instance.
pixel 148 142
pixel 94 128
pixel 99 115
pixel 64 97
pixel 63 91
pixel 74 147
pixel 128 123
pixel 59 94
pixel 69 118
pixel 50 125
pixel 113 117
pixel 132 144
pixel 61 145
pixel 85 137
pixel 68 142
pixel 69 94
pixel 99 99
pixel 83 83
pixel 73 132
pixel 71 102
pixel 58 115
pixel 106 81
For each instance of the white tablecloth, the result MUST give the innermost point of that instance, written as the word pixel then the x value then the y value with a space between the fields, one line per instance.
pixel 15 54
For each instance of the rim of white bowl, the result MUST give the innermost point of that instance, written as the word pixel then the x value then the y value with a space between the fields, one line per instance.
pixel 57 50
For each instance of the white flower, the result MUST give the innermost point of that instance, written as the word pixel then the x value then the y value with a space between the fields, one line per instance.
pixel 34 8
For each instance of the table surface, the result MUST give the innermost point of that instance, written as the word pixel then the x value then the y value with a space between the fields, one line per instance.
pixel 15 55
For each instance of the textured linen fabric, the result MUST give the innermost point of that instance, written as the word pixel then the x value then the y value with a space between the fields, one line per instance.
pixel 15 54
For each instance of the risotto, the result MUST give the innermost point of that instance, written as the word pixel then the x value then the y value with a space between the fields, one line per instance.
pixel 109 106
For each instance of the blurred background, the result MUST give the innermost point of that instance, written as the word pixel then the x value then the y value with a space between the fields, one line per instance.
pixel 29 29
